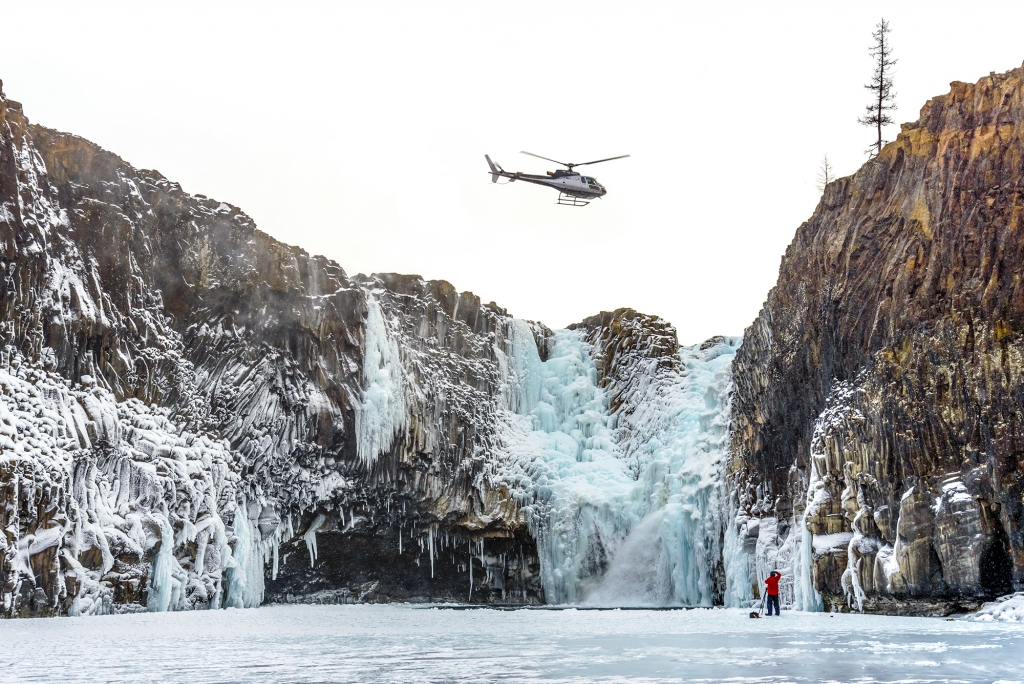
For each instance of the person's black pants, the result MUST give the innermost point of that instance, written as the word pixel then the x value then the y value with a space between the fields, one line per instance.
pixel 773 601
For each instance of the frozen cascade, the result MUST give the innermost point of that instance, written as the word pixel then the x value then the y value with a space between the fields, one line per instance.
pixel 806 597
pixel 786 545
pixel 679 440
pixel 782 545
pixel 382 412
pixel 627 503
pixel 162 583
pixel 580 480
pixel 736 563
pixel 245 577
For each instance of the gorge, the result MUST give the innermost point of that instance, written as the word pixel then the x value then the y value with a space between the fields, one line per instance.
pixel 195 415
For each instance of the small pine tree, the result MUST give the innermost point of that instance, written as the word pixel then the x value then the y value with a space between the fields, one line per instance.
pixel 825 174
pixel 883 98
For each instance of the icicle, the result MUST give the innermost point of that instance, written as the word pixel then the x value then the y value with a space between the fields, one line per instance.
pixel 430 532
pixel 381 413
pixel 161 580
pixel 245 585
pixel 310 537
pixel 807 597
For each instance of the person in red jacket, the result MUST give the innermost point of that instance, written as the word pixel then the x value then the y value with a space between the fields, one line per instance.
pixel 773 591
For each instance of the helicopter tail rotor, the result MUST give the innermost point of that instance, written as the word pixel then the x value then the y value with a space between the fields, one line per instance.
pixel 495 169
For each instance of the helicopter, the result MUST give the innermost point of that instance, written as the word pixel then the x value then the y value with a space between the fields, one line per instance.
pixel 574 190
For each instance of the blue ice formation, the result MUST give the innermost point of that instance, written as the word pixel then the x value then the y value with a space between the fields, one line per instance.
pixel 164 588
pixel 245 579
pixel 627 505
pixel 381 414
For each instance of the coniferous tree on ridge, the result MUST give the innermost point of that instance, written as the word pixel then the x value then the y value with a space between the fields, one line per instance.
pixel 825 174
pixel 883 98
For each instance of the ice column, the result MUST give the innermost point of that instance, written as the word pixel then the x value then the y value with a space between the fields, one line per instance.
pixel 738 592
pixel 807 597
pixel 245 582
pixel 161 577
pixel 381 413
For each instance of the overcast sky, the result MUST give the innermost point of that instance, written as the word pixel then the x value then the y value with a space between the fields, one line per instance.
pixel 357 130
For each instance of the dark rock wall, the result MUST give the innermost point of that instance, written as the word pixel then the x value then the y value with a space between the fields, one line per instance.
pixel 884 372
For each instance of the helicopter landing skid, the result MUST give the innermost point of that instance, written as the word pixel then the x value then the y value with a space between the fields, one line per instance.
pixel 571 200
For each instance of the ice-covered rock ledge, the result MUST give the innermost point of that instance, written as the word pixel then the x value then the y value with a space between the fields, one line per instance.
pixel 110 506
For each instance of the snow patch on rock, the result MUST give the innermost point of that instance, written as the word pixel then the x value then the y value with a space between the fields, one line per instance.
pixel 1008 608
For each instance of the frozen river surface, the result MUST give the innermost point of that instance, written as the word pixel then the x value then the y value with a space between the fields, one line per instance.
pixel 413 644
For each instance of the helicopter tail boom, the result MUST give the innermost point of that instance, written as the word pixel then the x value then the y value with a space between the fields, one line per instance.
pixel 495 169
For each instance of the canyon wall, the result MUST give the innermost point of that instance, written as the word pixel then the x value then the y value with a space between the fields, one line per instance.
pixel 879 394
pixel 176 380
pixel 195 415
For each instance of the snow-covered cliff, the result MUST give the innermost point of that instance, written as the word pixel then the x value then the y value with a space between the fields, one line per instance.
pixel 209 394
pixel 196 415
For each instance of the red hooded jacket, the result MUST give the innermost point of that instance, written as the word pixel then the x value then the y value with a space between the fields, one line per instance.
pixel 773 585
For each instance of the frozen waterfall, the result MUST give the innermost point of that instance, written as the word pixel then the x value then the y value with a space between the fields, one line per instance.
pixel 245 576
pixel 382 412
pixel 626 504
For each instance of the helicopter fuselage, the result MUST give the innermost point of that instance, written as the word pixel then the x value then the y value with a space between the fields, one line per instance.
pixel 569 182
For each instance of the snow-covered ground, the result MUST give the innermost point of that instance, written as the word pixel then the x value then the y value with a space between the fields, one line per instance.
pixel 415 644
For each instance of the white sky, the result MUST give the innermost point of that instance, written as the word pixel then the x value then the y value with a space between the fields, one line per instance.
pixel 357 130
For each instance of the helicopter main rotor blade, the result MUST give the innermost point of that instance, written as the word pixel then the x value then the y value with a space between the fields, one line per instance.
pixel 623 156
pixel 546 159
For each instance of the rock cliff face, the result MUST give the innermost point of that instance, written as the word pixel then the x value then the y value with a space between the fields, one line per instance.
pixel 187 403
pixel 182 392
pixel 879 394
